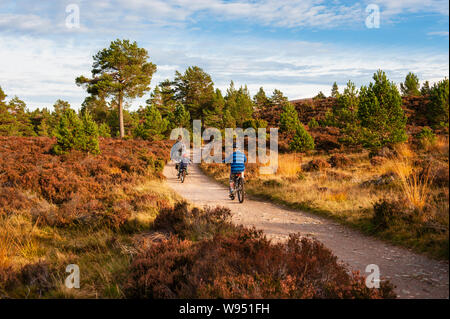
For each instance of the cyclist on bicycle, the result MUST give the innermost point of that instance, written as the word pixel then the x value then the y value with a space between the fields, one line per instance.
pixel 237 161
pixel 184 163
pixel 177 151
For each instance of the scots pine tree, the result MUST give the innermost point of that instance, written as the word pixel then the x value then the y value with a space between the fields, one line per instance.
pixel 380 113
pixel 411 85
pixel 302 140
pixel 289 118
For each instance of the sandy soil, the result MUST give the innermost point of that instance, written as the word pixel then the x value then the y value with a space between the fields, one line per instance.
pixel 415 276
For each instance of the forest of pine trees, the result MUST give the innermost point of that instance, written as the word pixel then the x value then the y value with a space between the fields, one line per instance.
pixel 371 116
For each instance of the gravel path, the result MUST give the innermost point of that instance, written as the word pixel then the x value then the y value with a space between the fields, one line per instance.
pixel 415 276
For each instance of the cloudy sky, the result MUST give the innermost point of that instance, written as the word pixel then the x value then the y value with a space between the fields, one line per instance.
pixel 297 46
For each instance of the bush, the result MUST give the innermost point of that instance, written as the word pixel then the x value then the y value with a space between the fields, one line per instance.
pixel 302 140
pixel 378 160
pixel 426 137
pixel 317 164
pixel 340 161
pixel 387 213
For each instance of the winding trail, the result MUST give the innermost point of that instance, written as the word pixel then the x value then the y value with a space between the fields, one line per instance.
pixel 415 276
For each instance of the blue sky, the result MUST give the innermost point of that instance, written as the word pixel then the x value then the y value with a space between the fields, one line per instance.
pixel 299 47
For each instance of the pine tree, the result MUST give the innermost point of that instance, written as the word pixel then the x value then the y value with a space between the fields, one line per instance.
pixel 7 120
pixel 302 140
pixel 320 96
pixel 182 117
pixel 380 113
pixel 425 89
pixel 195 90
pixel 104 130
pixel 14 120
pixel 90 142
pixel 22 126
pixel 278 99
pixel 437 109
pixel 122 71
pixel 228 120
pixel 261 101
pixel 289 118
pixel 69 133
pixel 213 116
pixel 335 90
pixel 411 85
pixel 163 97
pixel 153 126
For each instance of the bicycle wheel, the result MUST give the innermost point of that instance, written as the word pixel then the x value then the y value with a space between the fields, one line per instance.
pixel 183 175
pixel 240 190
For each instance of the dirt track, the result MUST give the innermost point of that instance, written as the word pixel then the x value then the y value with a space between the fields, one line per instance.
pixel 414 275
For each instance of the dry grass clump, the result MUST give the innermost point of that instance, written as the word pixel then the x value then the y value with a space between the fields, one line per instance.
pixel 415 182
pixel 289 165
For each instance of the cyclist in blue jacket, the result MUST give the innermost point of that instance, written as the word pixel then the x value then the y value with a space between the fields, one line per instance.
pixel 237 162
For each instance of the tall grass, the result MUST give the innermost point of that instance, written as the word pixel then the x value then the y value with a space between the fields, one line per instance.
pixel 6 246
pixel 415 184
pixel 289 165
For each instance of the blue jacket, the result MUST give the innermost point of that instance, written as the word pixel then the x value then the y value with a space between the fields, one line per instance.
pixel 237 160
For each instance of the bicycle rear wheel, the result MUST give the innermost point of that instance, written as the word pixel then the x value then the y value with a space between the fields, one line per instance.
pixel 183 175
pixel 240 190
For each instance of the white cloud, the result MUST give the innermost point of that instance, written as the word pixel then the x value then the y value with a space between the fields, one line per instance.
pixel 41 70
pixel 439 33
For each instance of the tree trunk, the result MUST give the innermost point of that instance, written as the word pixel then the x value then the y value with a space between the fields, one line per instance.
pixel 121 126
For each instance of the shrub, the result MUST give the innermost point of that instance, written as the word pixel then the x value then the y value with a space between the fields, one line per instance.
pixel 340 161
pixel 378 160
pixel 317 164
pixel 302 140
pixel 387 213
pixel 426 137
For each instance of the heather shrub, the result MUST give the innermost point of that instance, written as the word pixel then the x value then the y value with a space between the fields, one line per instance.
pixel 317 164
pixel 339 161
pixel 244 264
pixel 193 224
pixel 77 189
pixel 387 213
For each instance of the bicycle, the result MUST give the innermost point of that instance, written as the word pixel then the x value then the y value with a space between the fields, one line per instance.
pixel 238 181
